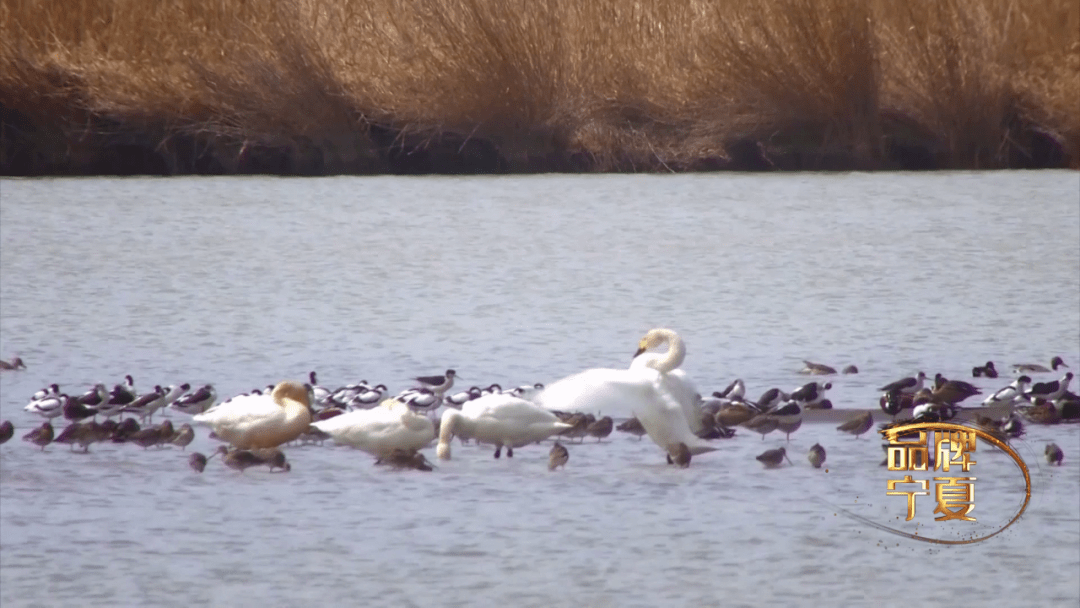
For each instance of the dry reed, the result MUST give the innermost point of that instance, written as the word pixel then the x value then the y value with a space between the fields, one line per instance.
pixel 604 85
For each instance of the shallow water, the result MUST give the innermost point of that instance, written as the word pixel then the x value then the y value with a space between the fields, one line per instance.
pixel 242 282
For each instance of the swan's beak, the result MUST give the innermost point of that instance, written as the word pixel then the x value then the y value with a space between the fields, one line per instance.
pixel 639 351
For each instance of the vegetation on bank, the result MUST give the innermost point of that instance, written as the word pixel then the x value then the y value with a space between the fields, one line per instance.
pixel 373 86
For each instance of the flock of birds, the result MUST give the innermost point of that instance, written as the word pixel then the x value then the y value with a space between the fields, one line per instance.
pixel 654 394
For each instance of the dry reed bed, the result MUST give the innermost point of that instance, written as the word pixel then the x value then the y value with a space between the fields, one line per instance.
pixel 371 86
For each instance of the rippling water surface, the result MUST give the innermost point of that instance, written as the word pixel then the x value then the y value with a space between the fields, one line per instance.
pixel 243 282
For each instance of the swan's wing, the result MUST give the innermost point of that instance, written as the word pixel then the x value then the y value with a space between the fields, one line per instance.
pixel 684 391
pixel 241 409
pixel 613 392
pixel 509 408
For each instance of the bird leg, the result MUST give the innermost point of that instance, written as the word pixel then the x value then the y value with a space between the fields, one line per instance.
pixel 509 452
pixel 498 451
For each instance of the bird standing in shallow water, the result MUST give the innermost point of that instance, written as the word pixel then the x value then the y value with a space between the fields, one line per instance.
pixel 41 436
pixel 406 459
pixel 773 458
pixel 1054 455
pixel 438 384
pixel 679 455
pixel 816 455
pixel 600 428
pixel 632 426
pixel 197 461
pixel 558 456
pixel 857 425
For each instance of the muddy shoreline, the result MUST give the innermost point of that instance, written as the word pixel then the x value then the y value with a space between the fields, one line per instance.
pixel 85 145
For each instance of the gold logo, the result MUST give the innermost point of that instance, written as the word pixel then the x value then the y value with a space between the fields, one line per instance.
pixel 924 452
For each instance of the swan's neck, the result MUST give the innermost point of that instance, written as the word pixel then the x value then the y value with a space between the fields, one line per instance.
pixel 674 356
pixel 451 421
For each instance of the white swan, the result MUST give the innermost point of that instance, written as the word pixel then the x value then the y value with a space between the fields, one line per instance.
pixel 499 419
pixel 653 390
pixel 261 421
pixel 380 430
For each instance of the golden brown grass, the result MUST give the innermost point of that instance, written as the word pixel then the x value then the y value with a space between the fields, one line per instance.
pixel 627 84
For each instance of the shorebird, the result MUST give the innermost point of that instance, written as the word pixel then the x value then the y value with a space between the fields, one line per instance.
pixel 197 402
pixel 1010 394
pixel 857 425
pixel 679 454
pixel 762 423
pixel 771 398
pixel 987 371
pixel 632 426
pixel 197 461
pixel 1035 368
pixel 735 414
pixel 558 456
pixel 817 369
pixel 183 437
pixel 952 391
pixel 405 459
pixel 810 393
pixel 1050 391
pixel 816 455
pixel 1054 455
pixel 41 436
pixel 905 385
pixel 735 391
pixel 773 458
pixel 601 428
pixel 438 384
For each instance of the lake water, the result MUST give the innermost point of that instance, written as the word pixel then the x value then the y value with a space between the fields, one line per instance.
pixel 246 281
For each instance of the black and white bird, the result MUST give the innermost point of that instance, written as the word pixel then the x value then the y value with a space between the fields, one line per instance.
pixel 1050 391
pixel 145 405
pixel 173 392
pixel 197 402
pixel 810 393
pixel 771 398
pixel 50 406
pixel 367 397
pixel 909 385
pixel 48 391
pixel 420 399
pixel 461 398
pixel 123 394
pixel 75 411
pixel 438 384
pixel 1010 394
pixel 321 393
pixel 734 391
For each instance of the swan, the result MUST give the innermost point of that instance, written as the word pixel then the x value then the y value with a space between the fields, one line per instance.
pixel 380 430
pixel 261 421
pixel 652 389
pixel 500 419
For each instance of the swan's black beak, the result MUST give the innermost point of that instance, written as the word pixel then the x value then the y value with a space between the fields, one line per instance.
pixel 639 351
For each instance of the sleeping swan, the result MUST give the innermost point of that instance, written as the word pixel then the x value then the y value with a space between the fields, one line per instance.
pixel 381 430
pixel 653 390
pixel 500 419
pixel 261 421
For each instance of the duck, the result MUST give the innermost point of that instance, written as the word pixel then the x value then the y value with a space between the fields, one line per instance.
pixel 987 371
pixel 773 458
pixel 261 421
pixel 1035 368
pixel 858 424
pixel 558 456
pixel 952 391
pixel 41 436
pixel 7 431
pixel 653 389
pixel 15 364
pixel 851 369
pixel 500 420
pixel 390 426
pixel 405 459
pixel 816 369
pixel 908 385
pixel 816 455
